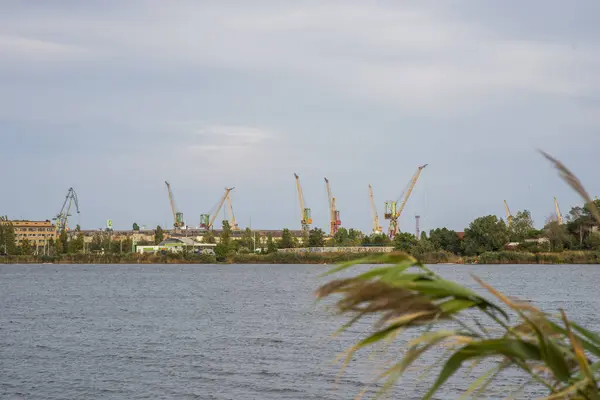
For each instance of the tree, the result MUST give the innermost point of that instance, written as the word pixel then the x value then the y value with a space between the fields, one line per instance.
pixel 521 227
pixel 8 244
pixel 485 234
pixel 226 234
pixel 305 237
pixel 78 228
pixel 159 235
pixel 287 240
pixel 377 239
pixel 76 244
pixel 271 247
pixel 63 242
pixel 340 238
pixel 135 227
pixel 445 239
pixel 316 238
pixel 209 237
pixel 26 248
pixel 405 242
pixel 247 239
pixel 557 235
pixel 97 242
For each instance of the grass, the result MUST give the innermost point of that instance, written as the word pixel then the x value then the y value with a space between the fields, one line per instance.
pixel 443 317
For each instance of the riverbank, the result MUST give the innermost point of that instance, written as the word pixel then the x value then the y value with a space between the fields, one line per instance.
pixel 438 257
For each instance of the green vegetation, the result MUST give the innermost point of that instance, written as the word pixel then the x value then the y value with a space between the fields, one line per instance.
pixel 550 351
pixel 448 319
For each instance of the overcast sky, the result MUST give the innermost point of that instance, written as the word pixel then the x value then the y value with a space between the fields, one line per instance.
pixel 115 97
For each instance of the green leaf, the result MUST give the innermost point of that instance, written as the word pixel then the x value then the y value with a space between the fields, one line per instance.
pixel 592 348
pixel 511 348
pixel 456 305
pixel 556 362
pixel 593 337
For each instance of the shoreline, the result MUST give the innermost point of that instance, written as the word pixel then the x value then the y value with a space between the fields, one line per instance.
pixel 434 258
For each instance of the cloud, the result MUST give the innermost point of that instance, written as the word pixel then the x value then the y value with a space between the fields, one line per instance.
pixel 208 94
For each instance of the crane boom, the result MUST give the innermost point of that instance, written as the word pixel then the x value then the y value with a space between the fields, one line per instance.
pixel 305 217
pixel 62 218
pixel 232 221
pixel 334 214
pixel 509 217
pixel 394 213
pixel 376 228
pixel 558 214
pixel 177 216
pixel 219 206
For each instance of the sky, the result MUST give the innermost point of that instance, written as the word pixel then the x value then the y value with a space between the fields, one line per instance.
pixel 113 98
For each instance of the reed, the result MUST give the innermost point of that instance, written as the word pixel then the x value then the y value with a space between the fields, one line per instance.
pixel 444 317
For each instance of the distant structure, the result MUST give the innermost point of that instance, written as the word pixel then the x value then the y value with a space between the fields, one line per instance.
pixel 417 226
pixel 38 233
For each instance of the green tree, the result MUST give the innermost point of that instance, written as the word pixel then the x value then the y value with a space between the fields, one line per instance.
pixel 76 244
pixel 521 227
pixel 63 240
pixel 8 244
pixel 377 239
pixel 209 237
pixel 97 242
pixel 557 235
pixel 135 227
pixel 247 239
pixel 287 240
pixel 445 239
pixel 485 234
pixel 340 238
pixel 26 247
pixel 305 238
pixel 226 234
pixel 316 238
pixel 78 228
pixel 405 242
pixel 159 235
pixel 271 247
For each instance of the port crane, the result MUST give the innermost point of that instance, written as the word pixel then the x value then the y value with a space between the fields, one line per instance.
pixel 232 222
pixel 305 217
pixel 62 218
pixel 207 220
pixel 559 216
pixel 177 216
pixel 377 229
pixel 393 211
pixel 509 217
pixel 334 214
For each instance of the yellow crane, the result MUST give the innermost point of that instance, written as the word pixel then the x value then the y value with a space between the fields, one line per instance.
pixel 305 217
pixel 376 228
pixel 393 212
pixel 232 221
pixel 559 217
pixel 177 216
pixel 334 214
pixel 207 220
pixel 509 217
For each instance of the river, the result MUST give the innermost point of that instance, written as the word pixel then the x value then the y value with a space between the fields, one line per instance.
pixel 213 332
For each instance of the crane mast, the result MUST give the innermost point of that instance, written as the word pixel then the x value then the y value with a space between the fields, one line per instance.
pixel 393 212
pixel 509 216
pixel 62 218
pixel 232 221
pixel 207 220
pixel 305 217
pixel 177 216
pixel 334 214
pixel 376 227
pixel 558 214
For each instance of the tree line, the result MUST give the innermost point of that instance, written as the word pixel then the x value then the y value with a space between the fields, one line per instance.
pixel 485 234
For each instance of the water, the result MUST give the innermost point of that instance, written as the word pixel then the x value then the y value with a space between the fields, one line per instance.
pixel 211 332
